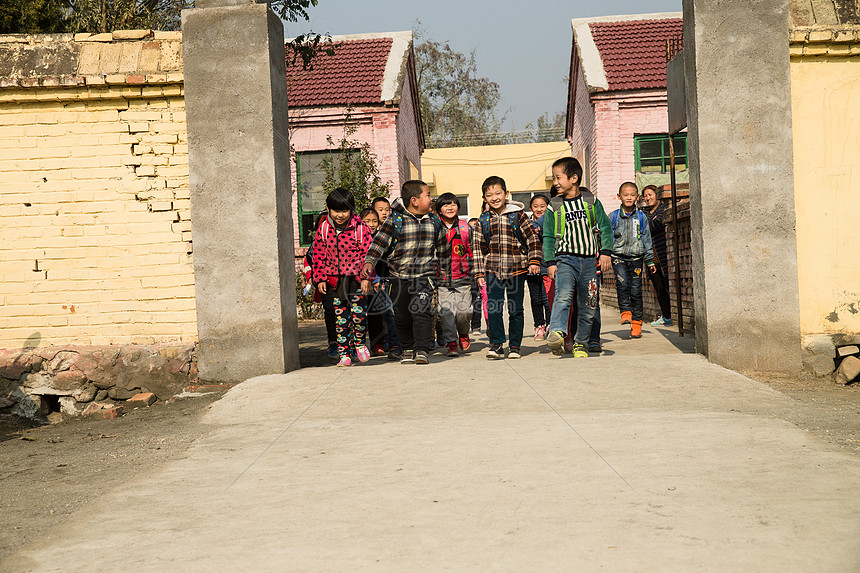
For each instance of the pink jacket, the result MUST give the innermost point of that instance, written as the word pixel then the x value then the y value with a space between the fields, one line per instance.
pixel 340 254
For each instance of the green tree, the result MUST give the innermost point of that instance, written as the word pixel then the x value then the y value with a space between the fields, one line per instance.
pixel 458 107
pixel 353 167
pixel 33 16
pixel 551 129
pixel 98 16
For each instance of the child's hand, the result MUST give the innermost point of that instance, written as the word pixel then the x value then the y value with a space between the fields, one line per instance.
pixel 321 287
pixel 534 269
pixel 376 287
pixel 366 270
pixel 652 268
pixel 605 263
pixel 551 272
pixel 482 282
pixel 365 286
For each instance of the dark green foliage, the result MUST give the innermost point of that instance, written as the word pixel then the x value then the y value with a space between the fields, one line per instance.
pixel 33 16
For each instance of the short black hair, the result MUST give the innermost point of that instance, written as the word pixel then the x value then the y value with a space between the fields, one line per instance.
pixel 493 180
pixel 539 196
pixel 570 166
pixel 473 220
pixel 410 189
pixel 447 199
pixel 379 200
pixel 628 184
pixel 340 200
pixel 368 211
pixel 657 192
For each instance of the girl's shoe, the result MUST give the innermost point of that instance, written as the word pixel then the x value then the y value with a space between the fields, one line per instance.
pixel 636 329
pixel 452 349
pixel 540 332
pixel 662 321
pixel 362 353
pixel 626 317
pixel 465 343
pixel 332 352
pixel 345 361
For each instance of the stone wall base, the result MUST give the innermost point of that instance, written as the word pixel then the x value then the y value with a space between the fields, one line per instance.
pixel 36 382
pixel 824 354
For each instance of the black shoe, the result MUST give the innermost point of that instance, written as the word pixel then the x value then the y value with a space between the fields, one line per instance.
pixel 513 352
pixel 395 354
pixel 421 357
pixel 495 351
pixel 595 348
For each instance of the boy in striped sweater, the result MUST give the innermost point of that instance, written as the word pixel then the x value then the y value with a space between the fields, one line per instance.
pixel 569 247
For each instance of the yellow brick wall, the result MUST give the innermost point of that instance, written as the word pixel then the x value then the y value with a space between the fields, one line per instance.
pixel 95 223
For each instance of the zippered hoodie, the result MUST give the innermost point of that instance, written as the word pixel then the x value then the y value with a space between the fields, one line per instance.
pixel 340 253
pixel 631 239
pixel 502 254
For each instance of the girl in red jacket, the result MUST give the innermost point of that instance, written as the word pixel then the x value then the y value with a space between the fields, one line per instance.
pixel 340 245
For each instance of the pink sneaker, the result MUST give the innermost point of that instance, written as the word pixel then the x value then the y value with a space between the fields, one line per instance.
pixel 540 332
pixel 362 353
pixel 344 361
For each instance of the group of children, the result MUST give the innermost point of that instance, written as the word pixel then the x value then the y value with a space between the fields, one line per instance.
pixel 398 279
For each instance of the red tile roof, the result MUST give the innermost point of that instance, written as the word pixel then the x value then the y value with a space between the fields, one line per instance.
pixel 353 75
pixel 634 51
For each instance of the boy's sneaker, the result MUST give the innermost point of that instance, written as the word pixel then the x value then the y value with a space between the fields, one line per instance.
pixel 540 332
pixel 495 351
pixel 636 329
pixel 662 321
pixel 555 341
pixel 595 347
pixel 332 352
pixel 421 357
pixel 626 317
pixel 395 353
pixel 345 361
pixel 579 351
pixel 362 353
pixel 452 349
pixel 465 343
pixel 514 352
pixel 568 346
pixel 378 350
pixel 406 357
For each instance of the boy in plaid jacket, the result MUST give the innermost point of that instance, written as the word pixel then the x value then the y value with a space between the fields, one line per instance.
pixel 507 247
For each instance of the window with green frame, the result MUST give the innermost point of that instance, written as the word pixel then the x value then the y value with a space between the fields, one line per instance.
pixel 310 176
pixel 652 153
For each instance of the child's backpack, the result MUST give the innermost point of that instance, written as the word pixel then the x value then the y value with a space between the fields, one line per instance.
pixel 463 230
pixel 557 203
pixel 613 218
pixel 397 221
pixel 325 225
pixel 513 220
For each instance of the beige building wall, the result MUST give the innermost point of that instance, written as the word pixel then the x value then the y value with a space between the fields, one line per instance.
pixel 461 170
pixel 825 88
pixel 94 201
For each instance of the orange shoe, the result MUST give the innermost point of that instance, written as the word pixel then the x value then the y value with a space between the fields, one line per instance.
pixel 636 329
pixel 626 317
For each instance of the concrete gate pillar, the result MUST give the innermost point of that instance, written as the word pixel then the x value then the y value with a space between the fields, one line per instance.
pixel 742 183
pixel 238 150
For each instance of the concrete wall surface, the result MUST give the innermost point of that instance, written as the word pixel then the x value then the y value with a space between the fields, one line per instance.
pixel 742 184
pixel 241 194
pixel 825 102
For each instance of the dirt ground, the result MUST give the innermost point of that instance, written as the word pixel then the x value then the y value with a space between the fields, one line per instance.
pixel 49 472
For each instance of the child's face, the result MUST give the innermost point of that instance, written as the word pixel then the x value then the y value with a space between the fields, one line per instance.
pixel 372 221
pixel 383 209
pixel 562 183
pixel 538 207
pixel 421 204
pixel 628 196
pixel 339 217
pixel 650 197
pixel 495 197
pixel 449 211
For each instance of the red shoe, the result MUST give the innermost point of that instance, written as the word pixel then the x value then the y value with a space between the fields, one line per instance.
pixel 465 343
pixel 636 329
pixel 452 349
pixel 378 350
pixel 626 317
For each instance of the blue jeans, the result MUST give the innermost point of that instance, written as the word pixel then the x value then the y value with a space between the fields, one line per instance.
pixel 496 290
pixel 575 275
pixel 628 285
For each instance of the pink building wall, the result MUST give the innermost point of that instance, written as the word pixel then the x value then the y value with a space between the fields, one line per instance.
pixel 604 127
pixel 409 141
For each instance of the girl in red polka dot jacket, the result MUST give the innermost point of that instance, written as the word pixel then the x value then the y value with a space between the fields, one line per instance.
pixel 340 245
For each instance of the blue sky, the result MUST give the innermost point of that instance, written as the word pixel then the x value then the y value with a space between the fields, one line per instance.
pixel 524 46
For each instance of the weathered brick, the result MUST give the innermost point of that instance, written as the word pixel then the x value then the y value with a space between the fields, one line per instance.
pixel 141 399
